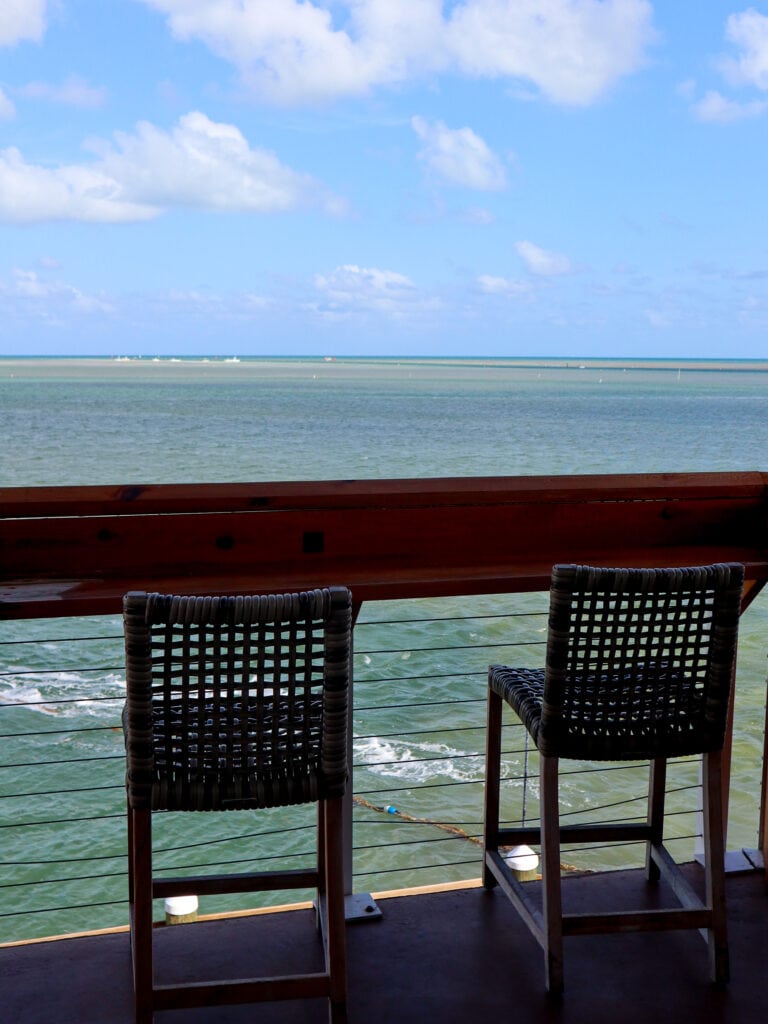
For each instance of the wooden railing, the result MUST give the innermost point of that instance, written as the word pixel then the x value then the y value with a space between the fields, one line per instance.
pixel 76 550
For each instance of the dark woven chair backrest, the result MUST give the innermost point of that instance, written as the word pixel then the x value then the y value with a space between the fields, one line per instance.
pixel 236 702
pixel 639 661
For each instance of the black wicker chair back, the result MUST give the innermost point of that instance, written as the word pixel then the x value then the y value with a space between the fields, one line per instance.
pixel 232 704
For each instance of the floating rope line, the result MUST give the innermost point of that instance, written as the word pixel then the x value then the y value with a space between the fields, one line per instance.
pixel 453 829
pixel 445 827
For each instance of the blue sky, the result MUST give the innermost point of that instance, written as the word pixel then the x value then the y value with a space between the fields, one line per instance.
pixel 384 177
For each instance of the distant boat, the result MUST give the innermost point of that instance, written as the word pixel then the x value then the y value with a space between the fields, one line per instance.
pixel 233 359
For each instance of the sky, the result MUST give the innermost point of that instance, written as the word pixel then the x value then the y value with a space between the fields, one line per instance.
pixel 384 178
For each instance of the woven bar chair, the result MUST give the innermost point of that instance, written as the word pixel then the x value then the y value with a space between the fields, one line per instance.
pixel 237 704
pixel 639 664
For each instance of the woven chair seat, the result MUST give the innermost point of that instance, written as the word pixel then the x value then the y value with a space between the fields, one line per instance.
pixel 217 756
pixel 613 717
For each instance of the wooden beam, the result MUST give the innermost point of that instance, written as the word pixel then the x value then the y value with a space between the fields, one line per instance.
pixel 138 499
pixel 76 551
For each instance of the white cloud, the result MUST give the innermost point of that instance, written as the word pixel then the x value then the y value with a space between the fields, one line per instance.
pixel 7 109
pixel 74 91
pixel 199 163
pixel 286 50
pixel 459 156
pixel 209 165
pixel 748 31
pixel 31 193
pixel 540 261
pixel 297 51
pixel 352 289
pixel 716 107
pixel 502 285
pixel 21 19
pixel 368 286
pixel 571 50
pixel 33 294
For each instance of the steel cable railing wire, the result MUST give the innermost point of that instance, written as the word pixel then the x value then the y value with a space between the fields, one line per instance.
pixel 437 669
pixel 162 850
pixel 254 860
pixel 62 761
pixel 62 821
pixel 62 792
pixel 521 778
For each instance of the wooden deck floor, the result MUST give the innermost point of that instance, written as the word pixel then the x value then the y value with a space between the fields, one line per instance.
pixel 453 957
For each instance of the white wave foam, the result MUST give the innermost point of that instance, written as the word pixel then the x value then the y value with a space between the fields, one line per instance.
pixel 79 696
pixel 417 762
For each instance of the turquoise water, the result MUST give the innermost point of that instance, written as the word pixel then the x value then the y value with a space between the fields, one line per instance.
pixel 114 422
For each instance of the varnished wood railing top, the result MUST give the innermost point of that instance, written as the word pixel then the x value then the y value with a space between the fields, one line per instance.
pixel 76 550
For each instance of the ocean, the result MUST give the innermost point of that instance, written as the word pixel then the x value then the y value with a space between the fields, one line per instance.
pixel 420 666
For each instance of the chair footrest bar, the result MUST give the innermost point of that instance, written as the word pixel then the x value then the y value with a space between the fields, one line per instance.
pixel 258 881
pixel 636 921
pixel 522 836
pixel 241 990
pixel 605 832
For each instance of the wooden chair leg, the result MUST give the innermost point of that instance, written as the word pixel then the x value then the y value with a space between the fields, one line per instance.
pixel 492 784
pixel 322 886
pixel 550 861
pixel 140 890
pixel 657 786
pixel 714 852
pixel 129 818
pixel 334 902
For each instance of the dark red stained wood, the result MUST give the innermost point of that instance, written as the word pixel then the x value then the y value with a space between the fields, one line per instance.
pixel 463 536
pixel 77 550
pixel 134 499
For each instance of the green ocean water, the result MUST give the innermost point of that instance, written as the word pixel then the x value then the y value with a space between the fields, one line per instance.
pixel 419 682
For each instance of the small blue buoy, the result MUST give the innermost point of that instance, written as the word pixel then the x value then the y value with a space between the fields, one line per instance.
pixel 391 810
